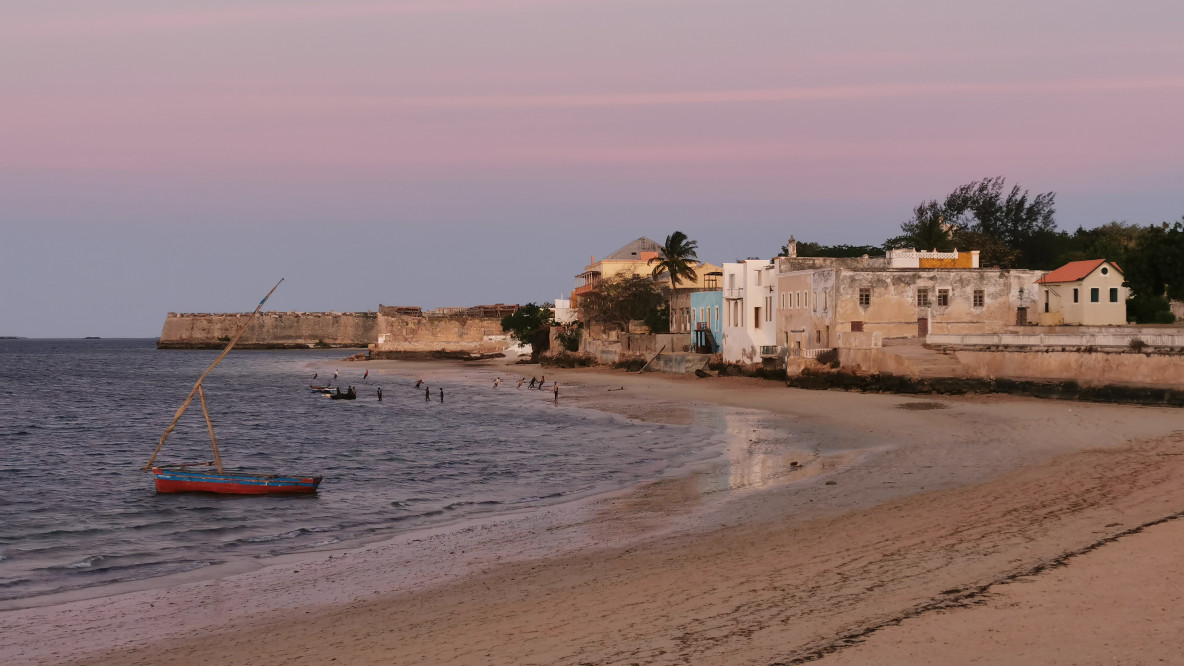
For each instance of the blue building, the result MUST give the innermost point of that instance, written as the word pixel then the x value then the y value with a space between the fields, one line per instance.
pixel 706 330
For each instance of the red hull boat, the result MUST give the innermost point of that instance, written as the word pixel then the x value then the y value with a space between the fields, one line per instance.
pixel 182 479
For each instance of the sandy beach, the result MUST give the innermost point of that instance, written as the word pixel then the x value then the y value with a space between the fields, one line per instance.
pixel 837 526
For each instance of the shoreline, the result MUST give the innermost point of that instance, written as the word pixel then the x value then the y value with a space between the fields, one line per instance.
pixel 723 552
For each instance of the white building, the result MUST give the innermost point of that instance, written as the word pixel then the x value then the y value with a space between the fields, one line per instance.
pixel 750 311
pixel 563 312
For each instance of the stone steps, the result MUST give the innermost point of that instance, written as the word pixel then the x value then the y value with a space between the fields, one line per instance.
pixel 927 362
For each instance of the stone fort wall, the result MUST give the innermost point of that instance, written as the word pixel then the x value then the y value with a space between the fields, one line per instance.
pixel 270 330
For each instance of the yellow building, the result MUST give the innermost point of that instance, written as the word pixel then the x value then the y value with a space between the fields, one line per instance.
pixel 635 258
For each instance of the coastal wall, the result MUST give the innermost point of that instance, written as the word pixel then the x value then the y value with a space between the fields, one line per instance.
pixel 437 336
pixel 270 330
pixel 615 346
pixel 1160 369
pixel 1165 370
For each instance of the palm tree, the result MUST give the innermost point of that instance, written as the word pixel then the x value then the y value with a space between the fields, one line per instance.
pixel 676 258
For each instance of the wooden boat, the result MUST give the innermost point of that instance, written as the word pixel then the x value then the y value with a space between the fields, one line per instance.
pixel 213 478
pixel 186 479
pixel 349 394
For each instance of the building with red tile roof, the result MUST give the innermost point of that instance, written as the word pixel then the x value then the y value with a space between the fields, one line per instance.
pixel 1088 293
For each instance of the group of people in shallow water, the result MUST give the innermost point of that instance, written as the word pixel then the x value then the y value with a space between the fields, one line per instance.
pixel 535 382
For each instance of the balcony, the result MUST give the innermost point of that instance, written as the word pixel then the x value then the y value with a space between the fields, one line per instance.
pixel 770 351
pixel 734 292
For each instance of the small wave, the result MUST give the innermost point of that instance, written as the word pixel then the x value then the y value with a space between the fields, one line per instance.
pixel 264 538
pixel 86 563
pixel 538 498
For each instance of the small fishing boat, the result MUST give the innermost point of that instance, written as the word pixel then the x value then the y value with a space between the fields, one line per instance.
pixel 210 477
pixel 187 479
pixel 349 394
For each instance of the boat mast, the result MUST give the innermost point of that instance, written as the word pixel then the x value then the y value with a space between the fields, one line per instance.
pixel 197 386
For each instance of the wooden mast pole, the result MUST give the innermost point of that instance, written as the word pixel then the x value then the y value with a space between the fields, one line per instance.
pixel 201 394
pixel 185 405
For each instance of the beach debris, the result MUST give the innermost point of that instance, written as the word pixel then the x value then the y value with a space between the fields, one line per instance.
pixel 793 463
pixel 702 373
pixel 922 405
pixel 832 483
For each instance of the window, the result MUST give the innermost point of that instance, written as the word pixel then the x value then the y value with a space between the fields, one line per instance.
pixel 943 298
pixel 817 337
pixel 865 296
pixel 1046 300
pixel 1113 294
pixel 922 297
pixel 806 295
pixel 978 298
pixel 756 317
pixel 768 308
pixel 1093 295
pixel 717 314
pixel 1075 294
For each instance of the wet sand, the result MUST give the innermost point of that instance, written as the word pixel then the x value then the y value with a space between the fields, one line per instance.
pixel 922 527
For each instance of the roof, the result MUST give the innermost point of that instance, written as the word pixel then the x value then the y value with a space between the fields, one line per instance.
pixel 633 250
pixel 1075 270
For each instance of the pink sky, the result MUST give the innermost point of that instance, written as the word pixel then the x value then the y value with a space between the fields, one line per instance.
pixel 738 122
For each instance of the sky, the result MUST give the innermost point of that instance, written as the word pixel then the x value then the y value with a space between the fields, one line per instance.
pixel 183 156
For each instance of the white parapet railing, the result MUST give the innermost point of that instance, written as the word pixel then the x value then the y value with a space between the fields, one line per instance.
pixel 1117 339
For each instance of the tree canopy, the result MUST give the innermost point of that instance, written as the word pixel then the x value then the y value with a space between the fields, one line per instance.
pixel 1156 266
pixel 530 324
pixel 808 249
pixel 617 300
pixel 1023 225
pixel 675 259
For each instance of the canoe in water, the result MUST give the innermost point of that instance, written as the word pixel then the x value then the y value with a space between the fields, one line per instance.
pixel 183 479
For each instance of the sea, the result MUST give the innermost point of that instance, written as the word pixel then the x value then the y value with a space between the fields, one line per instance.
pixel 80 418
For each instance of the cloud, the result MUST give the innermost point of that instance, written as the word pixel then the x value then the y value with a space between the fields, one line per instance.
pixel 757 95
pixel 80 23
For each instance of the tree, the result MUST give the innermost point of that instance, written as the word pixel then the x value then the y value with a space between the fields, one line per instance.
pixel 616 301
pixel 1113 241
pixel 927 229
pixel 675 259
pixel 808 249
pixel 1155 268
pixel 1022 223
pixel 530 324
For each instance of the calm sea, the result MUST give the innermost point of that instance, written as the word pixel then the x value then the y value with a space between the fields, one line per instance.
pixel 80 417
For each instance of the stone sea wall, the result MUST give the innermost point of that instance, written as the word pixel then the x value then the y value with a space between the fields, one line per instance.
pixel 438 336
pixel 270 330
